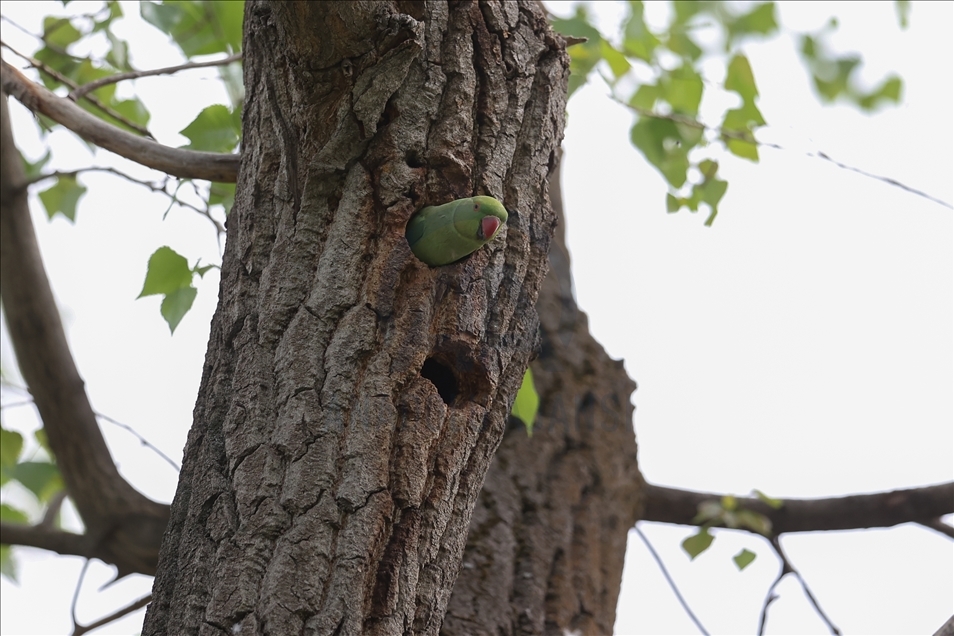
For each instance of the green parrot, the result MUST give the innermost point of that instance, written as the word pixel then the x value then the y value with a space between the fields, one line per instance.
pixel 442 234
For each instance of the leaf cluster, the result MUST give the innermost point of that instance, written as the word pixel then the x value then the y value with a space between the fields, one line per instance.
pixel 657 73
pixel 36 473
pixel 726 512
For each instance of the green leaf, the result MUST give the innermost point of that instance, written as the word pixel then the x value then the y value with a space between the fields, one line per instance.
pixel 754 521
pixel 708 511
pixel 903 7
pixel 739 78
pixel 176 305
pixel 132 109
pixel 638 40
pixel 13 515
pixel 166 273
pixel 682 88
pixel 758 21
pixel 8 566
pixel 222 194
pixel 697 543
pixel 585 56
pixel 35 169
pixel 201 271
pixel 645 97
pixel 41 478
pixel 743 559
pixel 59 32
pixel 58 61
pixel 889 91
pixel 11 445
pixel 62 197
pixel 737 131
pixel 681 44
pixel 684 12
pixel 617 61
pixel 213 130
pixel 198 27
pixel 769 501
pixel 40 436
pixel 711 191
pixel 665 146
pixel 118 54
pixel 527 402
pixel 672 203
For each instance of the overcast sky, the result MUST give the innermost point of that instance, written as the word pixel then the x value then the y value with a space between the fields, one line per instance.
pixel 802 345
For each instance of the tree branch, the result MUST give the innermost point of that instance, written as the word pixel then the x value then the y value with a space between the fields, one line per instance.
pixel 159 188
pixel 877 510
pixel 46 538
pixel 187 164
pixel 672 584
pixel 770 597
pixel 79 630
pixel 81 91
pixel 124 525
pixel 939 526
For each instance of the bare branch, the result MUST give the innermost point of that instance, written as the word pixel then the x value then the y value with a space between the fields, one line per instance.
pixel 126 427
pixel 940 526
pixel 79 630
pixel 672 584
pixel 76 591
pixel 770 597
pixel 188 164
pixel 46 538
pixel 81 91
pixel 92 99
pixel 876 510
pixel 53 509
pixel 142 440
pixel 126 525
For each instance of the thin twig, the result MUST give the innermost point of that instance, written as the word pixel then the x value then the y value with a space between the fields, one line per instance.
pixel 750 138
pixel 672 584
pixel 81 91
pixel 142 440
pixel 155 187
pixel 126 427
pixel 76 591
pixel 52 509
pixel 13 405
pixel 187 164
pixel 788 568
pixel 79 630
pixel 92 99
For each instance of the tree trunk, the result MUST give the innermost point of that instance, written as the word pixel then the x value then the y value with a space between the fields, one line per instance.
pixel 352 397
pixel 548 535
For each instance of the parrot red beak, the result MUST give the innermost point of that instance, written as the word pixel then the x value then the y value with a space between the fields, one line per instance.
pixel 488 225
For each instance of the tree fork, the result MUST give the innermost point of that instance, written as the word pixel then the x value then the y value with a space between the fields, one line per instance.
pixel 327 485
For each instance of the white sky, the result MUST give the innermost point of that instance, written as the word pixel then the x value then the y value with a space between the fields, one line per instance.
pixel 802 345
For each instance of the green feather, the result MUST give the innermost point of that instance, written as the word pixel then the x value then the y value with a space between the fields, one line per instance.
pixel 442 234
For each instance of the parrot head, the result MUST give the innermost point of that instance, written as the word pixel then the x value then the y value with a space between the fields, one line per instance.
pixel 443 234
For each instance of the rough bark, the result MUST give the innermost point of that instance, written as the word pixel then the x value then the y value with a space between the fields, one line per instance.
pixel 352 397
pixel 547 540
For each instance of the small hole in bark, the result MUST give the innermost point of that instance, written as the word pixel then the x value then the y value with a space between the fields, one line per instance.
pixel 413 159
pixel 442 378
